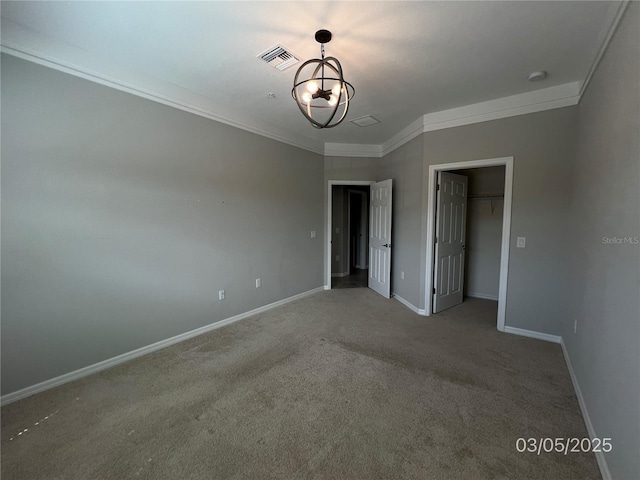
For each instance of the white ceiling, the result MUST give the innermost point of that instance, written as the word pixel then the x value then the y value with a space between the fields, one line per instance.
pixel 405 59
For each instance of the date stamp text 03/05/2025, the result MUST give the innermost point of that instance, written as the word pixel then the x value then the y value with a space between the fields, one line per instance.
pixel 563 445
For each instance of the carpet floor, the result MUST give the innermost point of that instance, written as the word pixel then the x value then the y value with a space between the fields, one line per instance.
pixel 342 384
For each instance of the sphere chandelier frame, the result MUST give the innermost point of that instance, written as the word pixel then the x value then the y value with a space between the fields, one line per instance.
pixel 323 97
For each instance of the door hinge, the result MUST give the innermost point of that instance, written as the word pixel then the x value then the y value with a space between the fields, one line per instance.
pixel 436 240
pixel 437 187
pixel 434 290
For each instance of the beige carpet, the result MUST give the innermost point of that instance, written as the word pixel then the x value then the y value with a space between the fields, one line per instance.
pixel 339 385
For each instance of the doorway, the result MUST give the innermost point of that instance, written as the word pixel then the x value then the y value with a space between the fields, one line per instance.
pixel 469 208
pixel 349 236
pixel 434 170
pixel 485 208
pixel 329 258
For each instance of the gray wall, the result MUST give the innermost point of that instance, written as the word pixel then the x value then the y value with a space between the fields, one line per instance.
pixel 484 241
pixel 543 147
pixel 350 168
pixel 484 231
pixel 485 180
pixel 344 168
pixel 122 218
pixel 606 282
pixel 404 166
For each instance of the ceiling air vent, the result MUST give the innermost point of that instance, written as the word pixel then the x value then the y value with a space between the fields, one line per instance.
pixel 278 57
pixel 365 121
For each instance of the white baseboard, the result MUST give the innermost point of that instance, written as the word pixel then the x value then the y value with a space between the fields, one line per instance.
pixel 600 458
pixel 343 274
pixel 111 362
pixel 409 305
pixel 482 295
pixel 531 334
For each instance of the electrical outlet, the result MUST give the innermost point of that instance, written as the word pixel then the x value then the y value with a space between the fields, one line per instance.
pixel 313 234
pixel 258 282
pixel 221 295
pixel 337 229
pixel 402 275
pixel 337 258
pixel 521 242
pixel 575 325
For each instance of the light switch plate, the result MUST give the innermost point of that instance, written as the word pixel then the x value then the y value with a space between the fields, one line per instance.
pixel 313 234
pixel 258 282
pixel 521 242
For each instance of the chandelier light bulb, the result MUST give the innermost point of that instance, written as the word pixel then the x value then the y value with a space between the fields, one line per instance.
pixel 306 97
pixel 333 100
pixel 336 89
pixel 312 87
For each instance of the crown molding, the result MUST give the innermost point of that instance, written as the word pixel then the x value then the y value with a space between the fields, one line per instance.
pixel 559 96
pixel 29 46
pixel 23 43
pixel 530 102
pixel 614 16
pixel 405 135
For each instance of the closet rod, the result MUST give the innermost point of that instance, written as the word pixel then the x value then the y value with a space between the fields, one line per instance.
pixel 485 196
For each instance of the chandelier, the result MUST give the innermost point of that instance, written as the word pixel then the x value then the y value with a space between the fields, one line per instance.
pixel 320 90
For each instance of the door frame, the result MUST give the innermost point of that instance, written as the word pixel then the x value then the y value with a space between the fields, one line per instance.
pixel 327 263
pixel 507 162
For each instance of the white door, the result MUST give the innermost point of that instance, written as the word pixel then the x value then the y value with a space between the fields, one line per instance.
pixel 451 213
pixel 380 238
